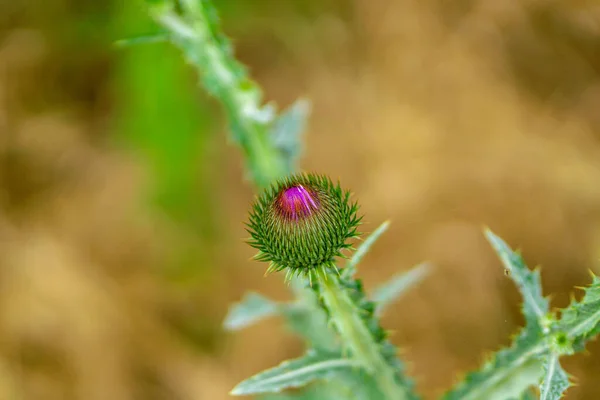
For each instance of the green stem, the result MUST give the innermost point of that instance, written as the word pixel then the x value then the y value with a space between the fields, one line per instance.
pixel 345 315
pixel 224 77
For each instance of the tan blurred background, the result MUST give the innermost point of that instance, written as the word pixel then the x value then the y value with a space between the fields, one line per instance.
pixel 121 202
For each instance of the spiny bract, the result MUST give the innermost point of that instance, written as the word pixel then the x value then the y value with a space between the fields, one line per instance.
pixel 302 222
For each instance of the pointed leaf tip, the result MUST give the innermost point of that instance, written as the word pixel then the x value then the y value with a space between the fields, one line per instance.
pixel 287 129
pixel 398 284
pixel 535 305
pixel 364 248
pixel 250 310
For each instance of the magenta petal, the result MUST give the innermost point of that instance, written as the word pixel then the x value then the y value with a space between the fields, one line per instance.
pixel 296 202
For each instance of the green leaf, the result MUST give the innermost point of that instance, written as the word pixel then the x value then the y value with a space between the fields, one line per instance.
pixel 346 384
pixel 555 381
pixel 511 371
pixel 295 373
pixel 251 309
pixel 309 321
pixel 353 316
pixel 581 320
pixel 356 384
pixel 535 306
pixel 508 374
pixel 304 316
pixel 286 132
pixel 388 292
pixel 307 318
pixel 360 252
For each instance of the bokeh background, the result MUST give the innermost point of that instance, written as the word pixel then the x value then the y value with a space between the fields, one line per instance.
pixel 122 202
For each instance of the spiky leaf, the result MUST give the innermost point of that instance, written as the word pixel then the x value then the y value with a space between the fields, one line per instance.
pixel 389 291
pixel 287 132
pixel 363 249
pixel 535 305
pixel 508 374
pixel 512 370
pixel 251 309
pixel 581 320
pixel 555 381
pixel 295 373
pixel 346 384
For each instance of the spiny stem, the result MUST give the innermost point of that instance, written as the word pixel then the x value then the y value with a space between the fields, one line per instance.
pixel 355 334
pixel 225 78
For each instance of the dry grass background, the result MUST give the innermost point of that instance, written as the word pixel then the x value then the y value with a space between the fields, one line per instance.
pixel 441 116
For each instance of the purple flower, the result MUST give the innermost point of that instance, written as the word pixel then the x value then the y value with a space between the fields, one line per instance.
pixel 302 222
pixel 296 202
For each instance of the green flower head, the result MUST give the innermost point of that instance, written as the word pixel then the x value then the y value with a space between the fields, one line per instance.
pixel 302 223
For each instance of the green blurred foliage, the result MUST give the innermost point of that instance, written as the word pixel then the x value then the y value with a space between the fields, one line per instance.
pixel 161 114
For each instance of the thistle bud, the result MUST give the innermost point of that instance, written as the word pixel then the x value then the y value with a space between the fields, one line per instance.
pixel 302 223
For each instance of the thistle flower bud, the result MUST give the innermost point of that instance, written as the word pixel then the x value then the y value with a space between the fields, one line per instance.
pixel 302 223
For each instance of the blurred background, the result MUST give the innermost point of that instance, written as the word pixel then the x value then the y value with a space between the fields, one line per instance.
pixel 122 203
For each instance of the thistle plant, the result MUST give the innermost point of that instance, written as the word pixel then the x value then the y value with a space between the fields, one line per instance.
pixel 304 224
pixel 301 224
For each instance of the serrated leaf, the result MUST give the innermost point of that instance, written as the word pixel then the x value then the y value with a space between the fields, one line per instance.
pixel 286 132
pixel 388 292
pixel 512 370
pixel 508 374
pixel 555 381
pixel 346 384
pixel 350 269
pixel 535 306
pixel 295 373
pixel 581 320
pixel 250 310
